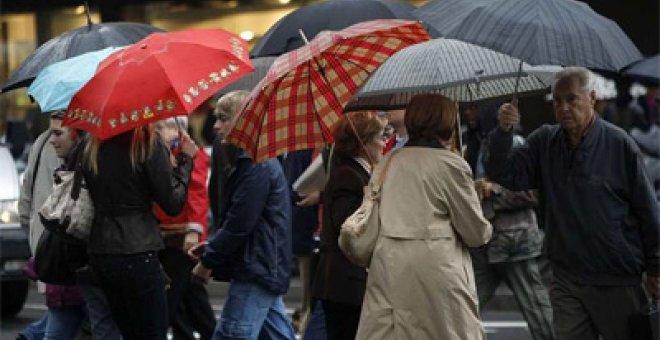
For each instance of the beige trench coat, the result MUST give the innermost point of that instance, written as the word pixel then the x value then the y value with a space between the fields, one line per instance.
pixel 421 283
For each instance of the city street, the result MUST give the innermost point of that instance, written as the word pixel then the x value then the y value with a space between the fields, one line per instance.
pixel 502 323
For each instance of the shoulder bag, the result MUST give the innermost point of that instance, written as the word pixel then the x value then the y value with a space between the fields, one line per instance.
pixel 359 233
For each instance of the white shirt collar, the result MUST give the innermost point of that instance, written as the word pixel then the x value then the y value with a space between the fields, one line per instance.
pixel 364 163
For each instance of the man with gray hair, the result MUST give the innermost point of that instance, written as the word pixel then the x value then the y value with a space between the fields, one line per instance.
pixel 602 220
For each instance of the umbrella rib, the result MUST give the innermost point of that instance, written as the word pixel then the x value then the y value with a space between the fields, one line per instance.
pixel 319 119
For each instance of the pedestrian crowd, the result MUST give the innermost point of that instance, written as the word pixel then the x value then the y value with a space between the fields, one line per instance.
pixel 454 224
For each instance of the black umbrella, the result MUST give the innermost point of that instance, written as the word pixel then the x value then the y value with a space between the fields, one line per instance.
pixel 646 71
pixel 334 15
pixel 91 37
pixel 540 32
pixel 247 83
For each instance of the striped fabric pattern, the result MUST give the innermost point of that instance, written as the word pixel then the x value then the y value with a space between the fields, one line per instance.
pixel 461 71
pixel 303 94
pixel 540 32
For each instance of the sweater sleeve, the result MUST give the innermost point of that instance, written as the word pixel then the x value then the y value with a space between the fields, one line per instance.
pixel 514 168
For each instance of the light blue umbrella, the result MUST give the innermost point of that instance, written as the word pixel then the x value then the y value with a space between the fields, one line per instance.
pixel 56 84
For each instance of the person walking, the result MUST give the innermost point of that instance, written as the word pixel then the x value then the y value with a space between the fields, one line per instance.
pixel 188 306
pixel 512 253
pixel 602 221
pixel 338 283
pixel 421 283
pixel 125 175
pixel 251 249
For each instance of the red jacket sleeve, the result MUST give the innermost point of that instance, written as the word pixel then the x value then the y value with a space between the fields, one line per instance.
pixel 195 212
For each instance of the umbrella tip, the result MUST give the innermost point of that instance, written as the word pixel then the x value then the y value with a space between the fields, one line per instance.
pixel 303 36
pixel 89 17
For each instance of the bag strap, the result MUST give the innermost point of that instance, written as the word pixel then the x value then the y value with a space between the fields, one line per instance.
pixel 36 165
pixel 381 176
pixel 78 173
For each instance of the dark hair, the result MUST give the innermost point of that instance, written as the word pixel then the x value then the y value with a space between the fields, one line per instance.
pixel 430 117
pixel 365 126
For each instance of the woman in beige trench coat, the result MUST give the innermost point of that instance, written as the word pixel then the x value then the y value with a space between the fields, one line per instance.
pixel 420 283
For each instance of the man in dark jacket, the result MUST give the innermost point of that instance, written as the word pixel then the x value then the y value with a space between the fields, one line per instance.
pixel 602 222
pixel 252 249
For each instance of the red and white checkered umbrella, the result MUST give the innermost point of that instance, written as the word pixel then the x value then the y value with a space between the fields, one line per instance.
pixel 295 106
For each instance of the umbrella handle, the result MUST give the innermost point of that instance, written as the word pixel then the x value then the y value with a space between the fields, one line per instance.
pixel 514 100
pixel 304 37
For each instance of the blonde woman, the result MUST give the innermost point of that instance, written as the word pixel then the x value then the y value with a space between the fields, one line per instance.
pixel 421 283
pixel 126 175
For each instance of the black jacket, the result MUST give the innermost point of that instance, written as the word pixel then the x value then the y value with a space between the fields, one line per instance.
pixel 337 279
pixel 602 222
pixel 123 197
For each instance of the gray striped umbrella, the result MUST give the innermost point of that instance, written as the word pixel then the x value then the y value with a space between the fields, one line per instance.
pixel 540 32
pixel 456 69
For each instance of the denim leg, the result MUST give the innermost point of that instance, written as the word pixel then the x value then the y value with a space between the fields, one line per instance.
pixel 37 329
pixel 100 315
pixel 315 329
pixel 245 311
pixel 64 323
pixel 277 324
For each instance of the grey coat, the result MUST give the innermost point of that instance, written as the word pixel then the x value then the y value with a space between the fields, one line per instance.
pixel 35 190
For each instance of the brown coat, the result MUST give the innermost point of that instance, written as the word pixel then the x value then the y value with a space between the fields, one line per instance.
pixel 421 284
pixel 337 279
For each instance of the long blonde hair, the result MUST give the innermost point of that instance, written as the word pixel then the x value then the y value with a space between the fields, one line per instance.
pixel 142 144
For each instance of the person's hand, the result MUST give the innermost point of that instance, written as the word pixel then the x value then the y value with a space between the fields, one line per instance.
pixel 311 199
pixel 653 285
pixel 188 146
pixel 508 116
pixel 191 240
pixel 484 188
pixel 200 274
pixel 195 252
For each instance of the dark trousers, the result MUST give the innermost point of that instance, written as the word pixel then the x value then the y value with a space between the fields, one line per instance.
pixel 188 303
pixel 524 280
pixel 135 289
pixel 585 312
pixel 341 320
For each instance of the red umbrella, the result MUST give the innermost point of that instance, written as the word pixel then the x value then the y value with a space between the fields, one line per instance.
pixel 302 96
pixel 163 75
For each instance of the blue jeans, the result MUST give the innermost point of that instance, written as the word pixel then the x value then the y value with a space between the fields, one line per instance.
pixel 316 325
pixel 64 323
pixel 251 312
pixel 37 329
pixel 100 315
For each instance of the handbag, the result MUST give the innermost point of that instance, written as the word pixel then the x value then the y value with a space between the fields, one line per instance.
pixel 57 259
pixel 69 209
pixel 359 233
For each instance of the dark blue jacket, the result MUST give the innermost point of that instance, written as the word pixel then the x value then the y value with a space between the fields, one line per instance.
pixel 305 220
pixel 253 240
pixel 602 222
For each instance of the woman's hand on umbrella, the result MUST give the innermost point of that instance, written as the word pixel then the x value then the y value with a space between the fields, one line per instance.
pixel 188 146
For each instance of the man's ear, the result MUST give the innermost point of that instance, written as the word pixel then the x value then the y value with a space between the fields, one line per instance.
pixel 592 96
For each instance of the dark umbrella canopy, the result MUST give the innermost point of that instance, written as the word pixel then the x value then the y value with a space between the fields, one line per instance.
pixel 247 83
pixel 548 32
pixel 646 71
pixel 91 37
pixel 333 15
